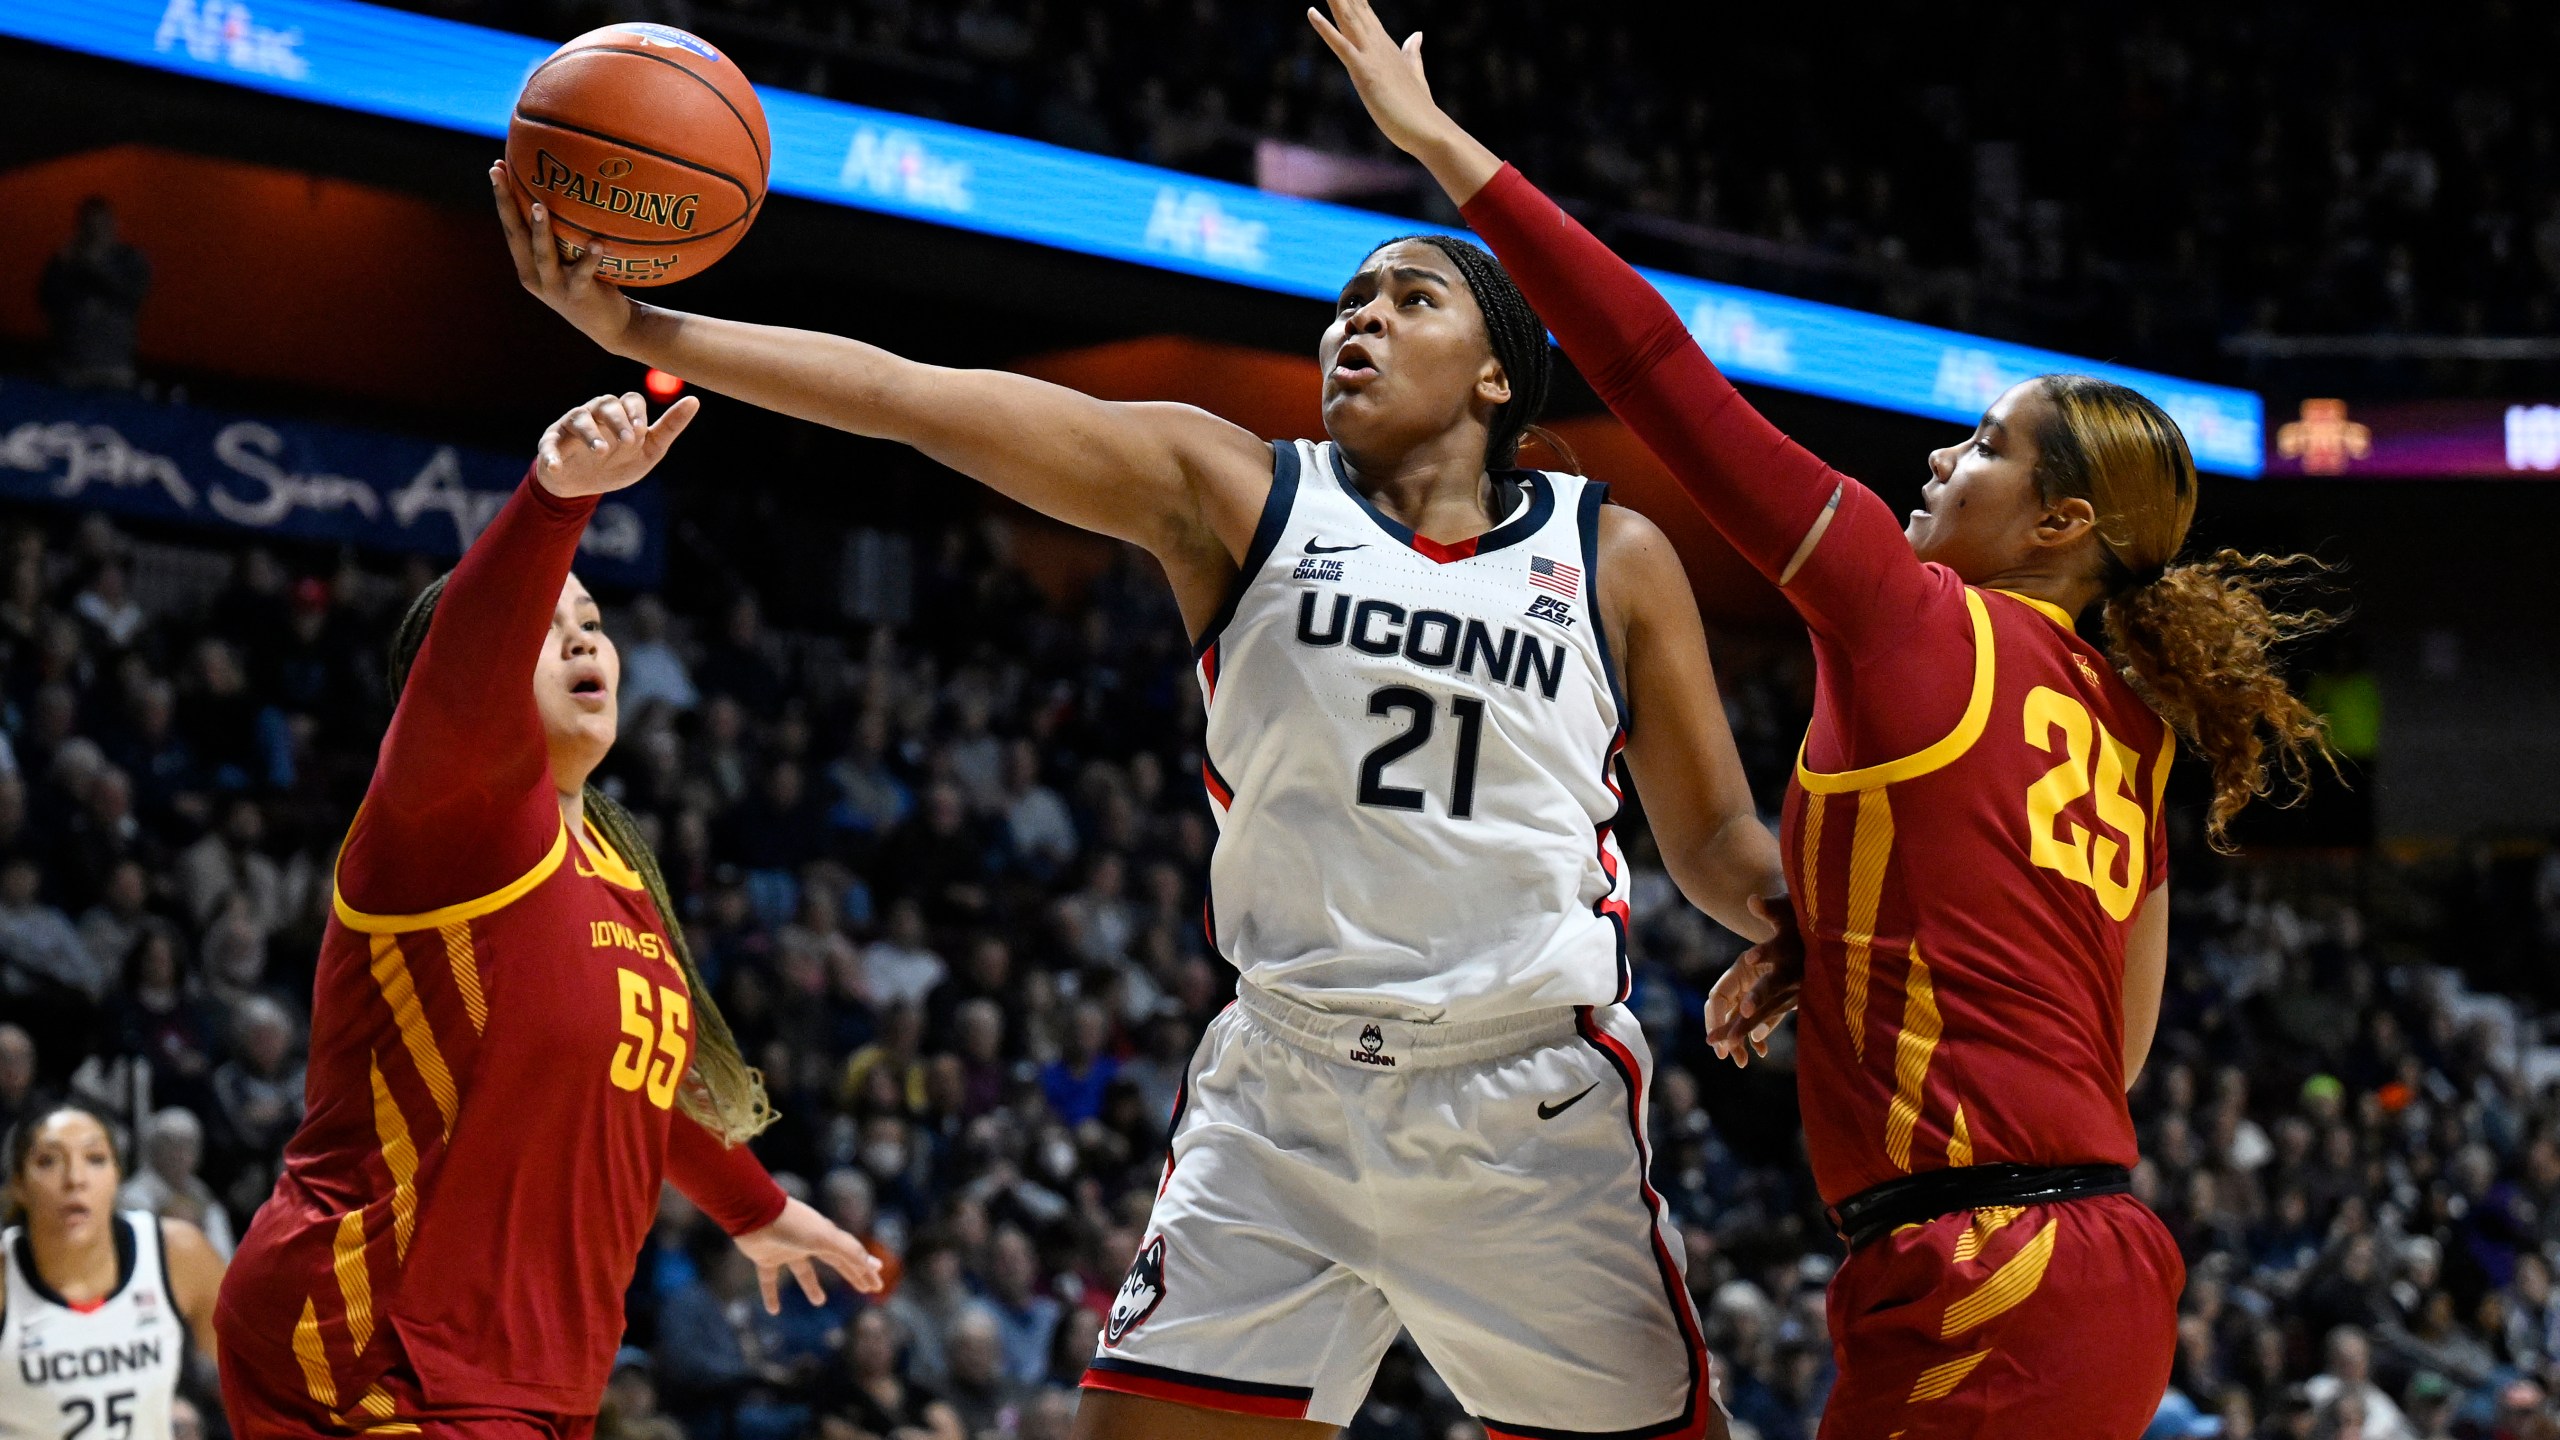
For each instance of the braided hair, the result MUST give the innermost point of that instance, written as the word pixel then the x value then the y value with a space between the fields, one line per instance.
pixel 1519 342
pixel 721 1090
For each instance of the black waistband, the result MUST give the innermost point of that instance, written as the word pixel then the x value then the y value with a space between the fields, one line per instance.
pixel 1874 1213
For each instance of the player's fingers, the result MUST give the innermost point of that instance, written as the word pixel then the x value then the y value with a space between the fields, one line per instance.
pixel 672 423
pixel 583 425
pixel 511 223
pixel 807 1275
pixel 546 250
pixel 628 413
pixel 582 271
pixel 1332 38
pixel 769 1280
pixel 847 1257
pixel 606 411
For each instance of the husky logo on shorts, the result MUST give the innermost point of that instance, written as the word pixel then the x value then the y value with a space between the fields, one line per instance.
pixel 1371 1042
pixel 1140 1294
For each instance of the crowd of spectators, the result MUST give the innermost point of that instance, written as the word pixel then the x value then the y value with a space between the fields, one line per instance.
pixel 2131 186
pixel 944 877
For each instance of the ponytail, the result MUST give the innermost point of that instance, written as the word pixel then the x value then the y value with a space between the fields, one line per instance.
pixel 721 1091
pixel 2199 644
pixel 2197 640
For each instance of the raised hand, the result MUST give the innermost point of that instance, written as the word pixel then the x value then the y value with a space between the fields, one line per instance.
pixel 1757 992
pixel 1398 95
pixel 799 1240
pixel 607 444
pixel 600 311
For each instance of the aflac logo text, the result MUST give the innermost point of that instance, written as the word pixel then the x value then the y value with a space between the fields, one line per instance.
pixel 222 32
pixel 895 165
pixel 1192 223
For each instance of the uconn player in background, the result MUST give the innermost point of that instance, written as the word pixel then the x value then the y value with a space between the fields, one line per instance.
pixel 100 1305
pixel 1974 828
pixel 1427 1107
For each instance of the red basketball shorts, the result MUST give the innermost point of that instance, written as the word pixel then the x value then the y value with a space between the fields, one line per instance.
pixel 268 1400
pixel 2031 1322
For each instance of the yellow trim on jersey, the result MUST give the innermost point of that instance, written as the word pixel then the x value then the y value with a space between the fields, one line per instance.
pixel 1809 894
pixel 1977 714
pixel 437 919
pixel 1912 1050
pixel 391 976
pixel 459 954
pixel 1870 846
pixel 355 1283
pixel 399 1156
pixel 314 1358
pixel 2046 608
pixel 609 866
pixel 1959 1140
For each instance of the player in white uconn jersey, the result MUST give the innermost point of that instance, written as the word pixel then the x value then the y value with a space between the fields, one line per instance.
pixel 99 1305
pixel 1426 1109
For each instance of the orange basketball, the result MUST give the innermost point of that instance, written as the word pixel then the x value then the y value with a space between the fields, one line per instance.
pixel 644 137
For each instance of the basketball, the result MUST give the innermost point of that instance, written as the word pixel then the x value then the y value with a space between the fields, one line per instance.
pixel 644 137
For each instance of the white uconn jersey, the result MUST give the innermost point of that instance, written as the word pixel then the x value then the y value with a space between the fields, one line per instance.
pixel 1409 755
pixel 103 1374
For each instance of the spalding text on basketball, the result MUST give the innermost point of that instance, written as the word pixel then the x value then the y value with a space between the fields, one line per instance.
pixel 650 207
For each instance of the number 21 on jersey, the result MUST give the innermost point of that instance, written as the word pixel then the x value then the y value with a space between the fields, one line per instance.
pixel 2093 763
pixel 652 1055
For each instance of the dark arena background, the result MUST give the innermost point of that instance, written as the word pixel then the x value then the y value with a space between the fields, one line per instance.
pixel 923 766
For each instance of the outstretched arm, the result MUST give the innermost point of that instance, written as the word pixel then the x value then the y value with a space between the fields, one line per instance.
pixel 1175 480
pixel 1828 541
pixel 461 801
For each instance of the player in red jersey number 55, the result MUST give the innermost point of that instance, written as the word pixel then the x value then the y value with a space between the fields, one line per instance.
pixel 510 1047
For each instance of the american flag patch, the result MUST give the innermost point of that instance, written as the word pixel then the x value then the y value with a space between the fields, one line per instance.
pixel 1555 575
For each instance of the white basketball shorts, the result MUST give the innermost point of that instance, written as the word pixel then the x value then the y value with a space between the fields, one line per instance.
pixel 1483 1186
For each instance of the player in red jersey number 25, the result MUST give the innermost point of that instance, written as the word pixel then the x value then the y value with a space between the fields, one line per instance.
pixel 1973 835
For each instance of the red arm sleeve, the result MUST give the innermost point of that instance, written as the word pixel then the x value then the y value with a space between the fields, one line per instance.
pixel 461 801
pixel 1861 590
pixel 728 1182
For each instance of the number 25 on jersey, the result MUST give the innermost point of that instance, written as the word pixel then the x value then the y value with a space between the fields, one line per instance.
pixel 2067 846
pixel 653 1053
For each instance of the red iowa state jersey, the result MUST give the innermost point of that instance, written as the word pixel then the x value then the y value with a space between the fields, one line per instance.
pixel 1965 909
pixel 497 1043
pixel 1976 816
pixel 491 1087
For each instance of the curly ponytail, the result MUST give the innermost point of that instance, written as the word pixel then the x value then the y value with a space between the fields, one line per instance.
pixel 721 1091
pixel 2197 641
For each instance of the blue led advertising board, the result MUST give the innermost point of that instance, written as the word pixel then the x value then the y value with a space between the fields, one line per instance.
pixel 465 78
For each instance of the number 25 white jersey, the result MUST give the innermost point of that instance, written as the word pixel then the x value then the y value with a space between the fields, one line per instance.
pixel 1410 752
pixel 101 1372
